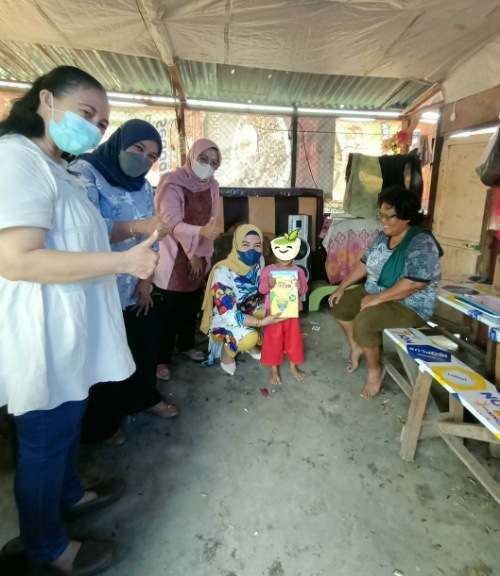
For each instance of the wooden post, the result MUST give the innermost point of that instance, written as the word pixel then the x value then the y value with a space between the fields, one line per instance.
pixel 491 348
pixel 456 410
pixel 438 148
pixel 179 109
pixel 497 367
pixel 295 128
pixel 411 431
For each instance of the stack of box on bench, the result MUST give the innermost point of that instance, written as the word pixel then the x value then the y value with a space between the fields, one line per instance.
pixel 466 389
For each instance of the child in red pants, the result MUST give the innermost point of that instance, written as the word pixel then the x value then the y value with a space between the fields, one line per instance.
pixel 286 336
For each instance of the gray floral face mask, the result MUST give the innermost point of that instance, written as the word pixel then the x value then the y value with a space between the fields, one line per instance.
pixel 134 165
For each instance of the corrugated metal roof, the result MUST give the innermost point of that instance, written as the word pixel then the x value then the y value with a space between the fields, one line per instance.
pixel 238 84
pixel 118 72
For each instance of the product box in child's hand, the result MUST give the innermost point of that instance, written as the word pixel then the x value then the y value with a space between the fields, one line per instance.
pixel 285 295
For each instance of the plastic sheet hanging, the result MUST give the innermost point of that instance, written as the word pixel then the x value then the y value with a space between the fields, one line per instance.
pixel 489 167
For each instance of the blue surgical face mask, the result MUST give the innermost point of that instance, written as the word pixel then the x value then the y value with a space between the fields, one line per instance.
pixel 250 257
pixel 73 134
pixel 133 164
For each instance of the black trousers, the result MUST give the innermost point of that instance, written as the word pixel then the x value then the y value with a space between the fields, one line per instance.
pixel 109 402
pixel 177 312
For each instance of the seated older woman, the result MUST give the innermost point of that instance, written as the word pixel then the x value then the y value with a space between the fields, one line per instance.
pixel 402 272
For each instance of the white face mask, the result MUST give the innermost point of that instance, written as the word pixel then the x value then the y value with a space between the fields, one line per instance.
pixel 203 171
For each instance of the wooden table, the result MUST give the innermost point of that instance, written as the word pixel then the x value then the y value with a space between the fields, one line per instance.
pixel 466 389
pixel 447 297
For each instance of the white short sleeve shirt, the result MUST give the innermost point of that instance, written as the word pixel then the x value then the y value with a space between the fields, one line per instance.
pixel 56 340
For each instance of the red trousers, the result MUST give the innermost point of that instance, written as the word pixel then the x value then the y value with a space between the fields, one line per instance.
pixel 280 338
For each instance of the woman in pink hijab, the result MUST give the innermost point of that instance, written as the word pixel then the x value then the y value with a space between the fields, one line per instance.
pixel 188 202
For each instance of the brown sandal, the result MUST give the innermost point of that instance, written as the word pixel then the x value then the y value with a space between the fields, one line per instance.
pixel 164 410
pixel 118 438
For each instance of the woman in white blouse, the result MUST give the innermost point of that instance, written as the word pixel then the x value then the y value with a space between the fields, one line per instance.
pixel 64 329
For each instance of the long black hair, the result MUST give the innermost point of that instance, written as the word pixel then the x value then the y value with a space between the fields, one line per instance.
pixel 23 117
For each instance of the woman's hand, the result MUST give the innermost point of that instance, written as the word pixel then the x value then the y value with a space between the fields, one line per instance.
pixel 336 296
pixel 141 261
pixel 370 300
pixel 210 231
pixel 145 227
pixel 143 294
pixel 156 223
pixel 272 319
pixel 195 267
pixel 162 228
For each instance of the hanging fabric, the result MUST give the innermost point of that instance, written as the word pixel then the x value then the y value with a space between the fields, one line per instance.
pixel 489 167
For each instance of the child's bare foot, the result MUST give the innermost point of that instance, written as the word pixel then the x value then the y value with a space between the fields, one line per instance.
pixel 275 379
pixel 356 354
pixel 373 382
pixel 297 372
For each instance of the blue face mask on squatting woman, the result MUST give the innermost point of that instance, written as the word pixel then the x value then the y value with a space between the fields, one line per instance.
pixel 73 134
pixel 250 257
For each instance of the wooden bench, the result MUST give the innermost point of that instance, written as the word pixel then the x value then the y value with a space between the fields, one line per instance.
pixel 466 389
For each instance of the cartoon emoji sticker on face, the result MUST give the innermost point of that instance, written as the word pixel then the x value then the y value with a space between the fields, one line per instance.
pixel 286 247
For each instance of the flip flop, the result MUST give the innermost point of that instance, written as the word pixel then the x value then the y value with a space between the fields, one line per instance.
pixel 163 374
pixel 195 355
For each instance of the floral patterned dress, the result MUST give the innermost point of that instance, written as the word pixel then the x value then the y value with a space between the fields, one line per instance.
pixel 117 205
pixel 235 297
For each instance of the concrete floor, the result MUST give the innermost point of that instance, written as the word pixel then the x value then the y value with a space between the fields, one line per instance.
pixel 305 482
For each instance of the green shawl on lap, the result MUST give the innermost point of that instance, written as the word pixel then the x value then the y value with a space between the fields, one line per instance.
pixel 393 268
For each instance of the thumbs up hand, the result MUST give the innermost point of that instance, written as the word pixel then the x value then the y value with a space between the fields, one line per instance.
pixel 141 261
pixel 210 231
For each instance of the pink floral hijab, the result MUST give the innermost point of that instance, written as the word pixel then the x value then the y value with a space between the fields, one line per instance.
pixel 185 175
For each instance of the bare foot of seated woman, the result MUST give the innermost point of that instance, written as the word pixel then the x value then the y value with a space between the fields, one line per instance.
pixel 356 353
pixel 373 382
